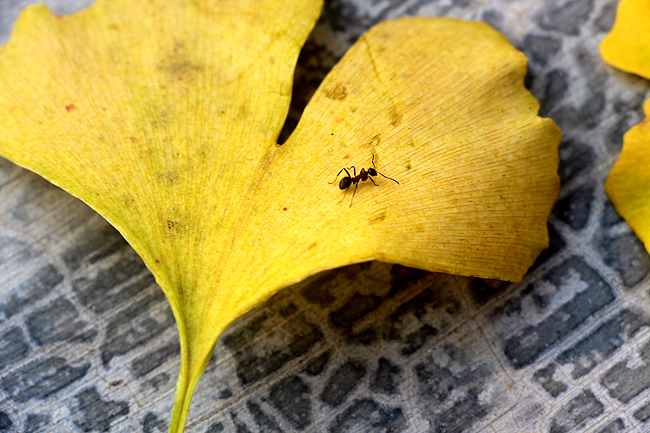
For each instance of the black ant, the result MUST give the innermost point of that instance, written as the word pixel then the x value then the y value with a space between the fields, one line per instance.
pixel 363 175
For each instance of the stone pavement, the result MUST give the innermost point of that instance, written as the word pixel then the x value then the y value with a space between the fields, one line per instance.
pixel 88 342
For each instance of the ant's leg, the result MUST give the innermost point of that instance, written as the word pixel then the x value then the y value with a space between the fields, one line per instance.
pixel 346 193
pixel 352 167
pixel 353 194
pixel 337 176
pixel 373 161
pixel 370 177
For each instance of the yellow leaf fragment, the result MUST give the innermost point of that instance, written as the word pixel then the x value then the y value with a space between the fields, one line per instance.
pixel 628 184
pixel 627 46
pixel 164 117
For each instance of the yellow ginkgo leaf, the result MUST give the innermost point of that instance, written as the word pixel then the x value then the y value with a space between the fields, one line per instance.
pixel 163 117
pixel 627 46
pixel 628 184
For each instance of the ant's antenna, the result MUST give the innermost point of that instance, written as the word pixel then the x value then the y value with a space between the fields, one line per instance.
pixel 373 165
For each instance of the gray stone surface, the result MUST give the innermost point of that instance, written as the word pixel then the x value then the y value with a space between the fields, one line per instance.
pixel 88 342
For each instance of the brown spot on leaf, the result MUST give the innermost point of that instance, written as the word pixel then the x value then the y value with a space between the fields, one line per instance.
pixel 168 176
pixel 179 64
pixel 377 218
pixel 70 107
pixel 396 117
pixel 338 93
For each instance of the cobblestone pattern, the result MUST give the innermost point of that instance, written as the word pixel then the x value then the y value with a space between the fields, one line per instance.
pixel 88 343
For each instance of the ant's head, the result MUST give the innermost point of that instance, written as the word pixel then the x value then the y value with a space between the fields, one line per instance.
pixel 372 172
pixel 345 182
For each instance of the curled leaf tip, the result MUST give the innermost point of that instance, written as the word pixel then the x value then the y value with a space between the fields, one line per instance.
pixel 165 119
